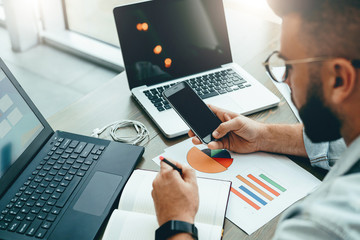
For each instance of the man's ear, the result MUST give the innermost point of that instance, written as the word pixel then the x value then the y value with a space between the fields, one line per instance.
pixel 340 82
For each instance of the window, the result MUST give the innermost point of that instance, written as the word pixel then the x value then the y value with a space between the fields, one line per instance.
pixel 83 27
pixel 257 8
pixel 87 27
pixel 95 20
pixel 2 13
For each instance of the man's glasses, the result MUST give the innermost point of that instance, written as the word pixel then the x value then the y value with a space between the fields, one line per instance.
pixel 278 68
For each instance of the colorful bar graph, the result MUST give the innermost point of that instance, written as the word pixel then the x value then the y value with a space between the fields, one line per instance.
pixel 253 195
pixel 272 183
pixel 263 185
pixel 254 187
pixel 251 203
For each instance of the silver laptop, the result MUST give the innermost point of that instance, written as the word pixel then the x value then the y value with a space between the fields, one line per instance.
pixel 164 42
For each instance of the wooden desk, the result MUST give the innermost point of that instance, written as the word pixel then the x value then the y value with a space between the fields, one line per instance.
pixel 252 41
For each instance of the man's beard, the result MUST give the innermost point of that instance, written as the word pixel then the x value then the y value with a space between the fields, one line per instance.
pixel 320 122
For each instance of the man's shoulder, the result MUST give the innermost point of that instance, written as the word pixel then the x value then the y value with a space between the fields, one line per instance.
pixel 336 204
pixel 331 212
pixel 344 189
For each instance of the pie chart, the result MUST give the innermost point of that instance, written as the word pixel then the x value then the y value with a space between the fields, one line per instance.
pixel 209 161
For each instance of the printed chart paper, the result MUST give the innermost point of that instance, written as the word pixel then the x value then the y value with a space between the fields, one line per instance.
pixel 285 90
pixel 263 184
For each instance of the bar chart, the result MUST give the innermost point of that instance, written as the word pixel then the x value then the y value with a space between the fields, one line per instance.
pixel 257 190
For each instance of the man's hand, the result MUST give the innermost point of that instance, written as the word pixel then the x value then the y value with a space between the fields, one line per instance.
pixel 175 197
pixel 243 135
pixel 237 133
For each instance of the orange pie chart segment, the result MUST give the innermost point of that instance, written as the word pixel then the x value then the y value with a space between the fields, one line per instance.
pixel 204 163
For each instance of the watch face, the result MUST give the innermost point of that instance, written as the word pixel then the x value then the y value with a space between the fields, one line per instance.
pixel 173 227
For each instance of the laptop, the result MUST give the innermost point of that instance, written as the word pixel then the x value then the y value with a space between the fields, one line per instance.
pixel 165 42
pixel 54 185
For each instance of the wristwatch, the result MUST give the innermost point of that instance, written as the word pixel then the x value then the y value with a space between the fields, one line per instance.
pixel 173 227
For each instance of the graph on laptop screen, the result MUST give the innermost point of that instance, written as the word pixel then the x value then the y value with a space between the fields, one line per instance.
pixel 18 124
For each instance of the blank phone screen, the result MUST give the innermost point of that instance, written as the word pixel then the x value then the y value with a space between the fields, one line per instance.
pixel 194 111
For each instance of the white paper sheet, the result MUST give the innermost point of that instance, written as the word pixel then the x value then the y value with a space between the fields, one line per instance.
pixel 297 182
pixel 285 90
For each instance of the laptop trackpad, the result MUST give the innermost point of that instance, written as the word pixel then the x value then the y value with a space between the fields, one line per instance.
pixel 224 102
pixel 98 193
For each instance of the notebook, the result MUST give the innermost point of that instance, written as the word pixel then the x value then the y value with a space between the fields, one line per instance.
pixel 135 217
pixel 54 185
pixel 164 42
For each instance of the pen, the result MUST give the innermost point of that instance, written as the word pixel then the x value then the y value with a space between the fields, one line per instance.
pixel 171 164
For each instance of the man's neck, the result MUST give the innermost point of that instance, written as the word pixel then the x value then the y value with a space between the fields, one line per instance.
pixel 350 132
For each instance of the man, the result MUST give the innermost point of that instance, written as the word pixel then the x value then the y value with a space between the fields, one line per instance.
pixel 320 48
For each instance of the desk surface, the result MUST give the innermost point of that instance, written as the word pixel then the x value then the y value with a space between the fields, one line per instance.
pixel 251 39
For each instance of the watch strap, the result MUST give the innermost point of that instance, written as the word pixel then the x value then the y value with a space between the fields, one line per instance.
pixel 173 227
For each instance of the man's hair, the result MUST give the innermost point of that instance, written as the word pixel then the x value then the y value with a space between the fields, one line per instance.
pixel 329 27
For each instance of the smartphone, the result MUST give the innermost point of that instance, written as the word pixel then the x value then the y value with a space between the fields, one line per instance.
pixel 192 109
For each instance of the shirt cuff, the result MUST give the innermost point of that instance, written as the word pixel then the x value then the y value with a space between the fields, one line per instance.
pixel 325 154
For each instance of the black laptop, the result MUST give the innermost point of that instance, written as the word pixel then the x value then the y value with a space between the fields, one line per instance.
pixel 54 185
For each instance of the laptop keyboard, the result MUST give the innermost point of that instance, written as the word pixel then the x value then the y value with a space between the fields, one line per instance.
pixel 40 200
pixel 206 86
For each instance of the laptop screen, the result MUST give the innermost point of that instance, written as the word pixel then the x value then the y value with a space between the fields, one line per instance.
pixel 163 40
pixel 19 126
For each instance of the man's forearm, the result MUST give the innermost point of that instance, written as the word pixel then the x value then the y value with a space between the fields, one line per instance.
pixel 284 139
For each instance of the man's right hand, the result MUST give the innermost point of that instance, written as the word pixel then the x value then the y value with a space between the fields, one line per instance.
pixel 243 135
pixel 237 133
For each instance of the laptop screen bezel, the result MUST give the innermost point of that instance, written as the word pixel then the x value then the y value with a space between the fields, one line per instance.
pixel 25 158
pixel 118 19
